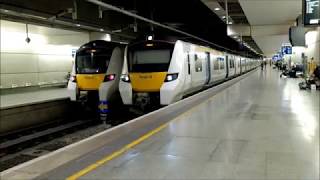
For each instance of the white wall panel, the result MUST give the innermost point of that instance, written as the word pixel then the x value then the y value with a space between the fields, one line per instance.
pixel 313 44
pixel 47 58
pixel 18 63
pixel 70 39
pixel 55 63
pixel 52 77
pixel 19 80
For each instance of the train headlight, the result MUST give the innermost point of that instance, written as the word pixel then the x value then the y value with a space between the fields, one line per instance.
pixel 125 78
pixel 171 77
pixel 73 79
pixel 109 77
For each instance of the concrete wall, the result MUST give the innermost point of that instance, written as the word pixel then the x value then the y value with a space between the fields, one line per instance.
pixel 46 60
pixel 311 50
pixel 313 45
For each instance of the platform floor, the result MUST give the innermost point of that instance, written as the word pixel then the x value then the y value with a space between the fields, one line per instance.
pixel 262 127
pixel 38 96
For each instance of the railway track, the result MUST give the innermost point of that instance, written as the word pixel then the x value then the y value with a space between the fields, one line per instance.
pixel 19 147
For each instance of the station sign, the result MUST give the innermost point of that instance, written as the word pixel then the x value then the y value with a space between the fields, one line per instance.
pixel 311 12
pixel 286 50
pixel 276 57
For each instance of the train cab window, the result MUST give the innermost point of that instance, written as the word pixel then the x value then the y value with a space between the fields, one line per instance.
pixel 216 64
pixel 150 60
pixel 198 63
pixel 150 56
pixel 93 61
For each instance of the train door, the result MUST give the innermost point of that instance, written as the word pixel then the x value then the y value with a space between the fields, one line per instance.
pixel 208 68
pixel 240 64
pixel 227 66
pixel 197 70
pixel 188 77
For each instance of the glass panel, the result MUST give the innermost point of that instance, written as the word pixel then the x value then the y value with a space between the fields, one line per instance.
pixel 216 64
pixel 149 60
pixel 92 62
pixel 198 63
pixel 221 63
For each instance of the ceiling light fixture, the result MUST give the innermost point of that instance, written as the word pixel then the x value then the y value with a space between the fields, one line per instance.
pixel 78 25
pixel 216 9
pixel 101 30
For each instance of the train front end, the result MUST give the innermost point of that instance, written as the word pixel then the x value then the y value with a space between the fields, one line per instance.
pixel 144 72
pixel 92 79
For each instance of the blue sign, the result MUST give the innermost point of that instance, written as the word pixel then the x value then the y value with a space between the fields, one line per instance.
pixel 275 57
pixel 286 50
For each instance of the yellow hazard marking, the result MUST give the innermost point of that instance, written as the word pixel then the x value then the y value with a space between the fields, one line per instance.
pixel 89 81
pixel 116 153
pixel 147 82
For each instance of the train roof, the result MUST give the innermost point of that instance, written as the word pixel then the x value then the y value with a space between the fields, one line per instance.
pixel 172 39
pixel 99 44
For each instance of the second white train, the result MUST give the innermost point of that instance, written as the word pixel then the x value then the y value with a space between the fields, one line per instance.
pixel 163 72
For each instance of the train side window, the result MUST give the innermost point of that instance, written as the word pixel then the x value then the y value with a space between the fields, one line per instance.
pixel 216 64
pixel 221 63
pixel 188 59
pixel 198 63
pixel 231 63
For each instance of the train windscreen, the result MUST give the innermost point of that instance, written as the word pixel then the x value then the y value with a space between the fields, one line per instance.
pixel 92 61
pixel 152 57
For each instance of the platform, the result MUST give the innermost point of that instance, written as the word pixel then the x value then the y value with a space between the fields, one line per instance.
pixel 33 97
pixel 261 127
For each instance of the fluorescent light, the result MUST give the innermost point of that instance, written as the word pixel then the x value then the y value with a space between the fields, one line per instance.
pixel 107 37
pixel 230 22
pixel 78 25
pixel 314 21
pixel 216 9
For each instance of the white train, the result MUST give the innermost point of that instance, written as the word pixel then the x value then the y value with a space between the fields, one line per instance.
pixel 164 72
pixel 96 73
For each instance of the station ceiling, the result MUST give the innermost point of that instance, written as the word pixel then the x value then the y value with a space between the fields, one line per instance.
pixel 274 17
pixel 191 16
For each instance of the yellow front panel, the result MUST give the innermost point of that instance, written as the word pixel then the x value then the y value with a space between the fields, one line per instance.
pixel 147 82
pixel 89 81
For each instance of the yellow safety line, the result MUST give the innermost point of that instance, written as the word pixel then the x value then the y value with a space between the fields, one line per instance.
pixel 116 153
pixel 131 145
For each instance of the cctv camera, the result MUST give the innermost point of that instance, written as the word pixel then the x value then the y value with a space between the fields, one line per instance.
pixel 28 40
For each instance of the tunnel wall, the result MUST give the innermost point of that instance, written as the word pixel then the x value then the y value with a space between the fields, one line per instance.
pixel 45 61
